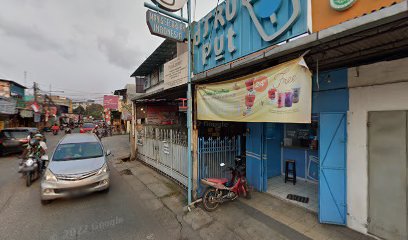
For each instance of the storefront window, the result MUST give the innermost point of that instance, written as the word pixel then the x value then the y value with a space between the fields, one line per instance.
pixel 301 135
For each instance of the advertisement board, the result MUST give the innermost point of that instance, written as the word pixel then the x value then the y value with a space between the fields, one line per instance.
pixel 111 102
pixel 238 28
pixel 278 94
pixel 327 13
pixel 176 72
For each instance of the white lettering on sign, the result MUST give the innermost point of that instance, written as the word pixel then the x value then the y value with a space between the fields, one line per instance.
pixel 165 27
pixel 215 36
pixel 220 20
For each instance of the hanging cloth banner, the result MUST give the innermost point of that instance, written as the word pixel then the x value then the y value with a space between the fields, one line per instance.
pixel 278 94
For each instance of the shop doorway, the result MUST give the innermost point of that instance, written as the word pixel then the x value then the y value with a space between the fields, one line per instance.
pixel 284 142
pixel 387 174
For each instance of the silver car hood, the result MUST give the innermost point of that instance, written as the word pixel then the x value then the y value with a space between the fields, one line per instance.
pixel 76 166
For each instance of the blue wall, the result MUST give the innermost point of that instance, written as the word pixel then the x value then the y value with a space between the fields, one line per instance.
pixel 246 38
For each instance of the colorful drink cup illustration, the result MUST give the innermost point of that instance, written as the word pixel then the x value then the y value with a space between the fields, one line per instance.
pixel 249 100
pixel 272 94
pixel 296 94
pixel 249 84
pixel 281 100
pixel 288 99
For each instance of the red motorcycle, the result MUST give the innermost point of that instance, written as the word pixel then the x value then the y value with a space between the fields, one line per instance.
pixel 220 190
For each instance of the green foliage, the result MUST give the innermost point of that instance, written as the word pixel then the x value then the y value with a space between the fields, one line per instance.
pixel 94 110
pixel 79 110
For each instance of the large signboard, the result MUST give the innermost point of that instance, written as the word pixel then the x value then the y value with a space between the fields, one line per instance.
pixel 176 71
pixel 171 5
pixel 237 28
pixel 279 94
pixel 166 27
pixel 111 102
pixel 327 13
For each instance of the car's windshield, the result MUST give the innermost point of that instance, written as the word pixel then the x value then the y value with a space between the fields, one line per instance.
pixel 76 151
pixel 17 134
pixel 88 125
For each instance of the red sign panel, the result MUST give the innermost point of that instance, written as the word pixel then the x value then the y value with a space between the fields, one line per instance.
pixel 111 102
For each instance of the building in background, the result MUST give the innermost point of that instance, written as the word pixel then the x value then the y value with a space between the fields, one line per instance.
pixel 125 105
pixel 159 118
pixel 13 111
pixel 83 104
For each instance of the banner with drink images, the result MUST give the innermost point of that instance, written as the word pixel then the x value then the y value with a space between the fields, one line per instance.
pixel 279 94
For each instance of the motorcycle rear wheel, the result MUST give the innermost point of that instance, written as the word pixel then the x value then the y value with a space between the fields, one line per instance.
pixel 208 203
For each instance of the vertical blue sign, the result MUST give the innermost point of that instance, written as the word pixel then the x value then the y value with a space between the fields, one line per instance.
pixel 237 28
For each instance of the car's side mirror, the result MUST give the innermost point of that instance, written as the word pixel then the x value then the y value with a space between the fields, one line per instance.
pixel 108 152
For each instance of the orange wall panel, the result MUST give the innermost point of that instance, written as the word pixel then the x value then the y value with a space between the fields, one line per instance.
pixel 323 16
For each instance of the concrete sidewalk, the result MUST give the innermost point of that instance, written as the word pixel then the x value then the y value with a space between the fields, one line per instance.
pixel 262 217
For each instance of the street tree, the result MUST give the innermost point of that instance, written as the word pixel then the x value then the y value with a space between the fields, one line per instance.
pixel 95 111
pixel 79 110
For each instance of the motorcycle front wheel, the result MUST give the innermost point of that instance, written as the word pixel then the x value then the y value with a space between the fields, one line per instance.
pixel 28 179
pixel 209 202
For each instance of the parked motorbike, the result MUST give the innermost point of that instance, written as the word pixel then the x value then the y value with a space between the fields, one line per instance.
pixel 55 131
pixel 220 190
pixel 33 167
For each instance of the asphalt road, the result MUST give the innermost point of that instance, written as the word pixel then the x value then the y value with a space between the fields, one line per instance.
pixel 113 215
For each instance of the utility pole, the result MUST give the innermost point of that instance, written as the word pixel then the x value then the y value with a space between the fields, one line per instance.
pixel 25 78
pixel 35 92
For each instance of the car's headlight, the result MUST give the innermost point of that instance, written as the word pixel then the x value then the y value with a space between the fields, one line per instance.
pixel 49 176
pixel 103 169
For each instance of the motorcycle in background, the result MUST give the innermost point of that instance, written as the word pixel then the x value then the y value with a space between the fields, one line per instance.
pixel 220 190
pixel 68 130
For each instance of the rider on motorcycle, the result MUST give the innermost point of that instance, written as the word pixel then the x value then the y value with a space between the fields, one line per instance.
pixel 36 146
pixel 55 127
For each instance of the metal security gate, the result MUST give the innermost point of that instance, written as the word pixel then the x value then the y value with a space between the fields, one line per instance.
pixel 165 150
pixel 213 152
pixel 387 174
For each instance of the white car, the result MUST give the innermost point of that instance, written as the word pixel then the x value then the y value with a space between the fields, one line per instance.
pixel 78 165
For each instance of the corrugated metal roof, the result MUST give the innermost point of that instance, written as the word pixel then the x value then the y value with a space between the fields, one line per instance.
pixel 165 52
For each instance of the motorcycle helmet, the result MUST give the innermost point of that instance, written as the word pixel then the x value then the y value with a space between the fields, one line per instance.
pixel 38 136
pixel 33 142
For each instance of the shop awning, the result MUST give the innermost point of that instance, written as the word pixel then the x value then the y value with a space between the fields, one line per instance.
pixel 162 95
pixel 379 36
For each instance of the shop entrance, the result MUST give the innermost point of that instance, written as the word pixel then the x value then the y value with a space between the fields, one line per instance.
pixel 296 143
pixel 387 164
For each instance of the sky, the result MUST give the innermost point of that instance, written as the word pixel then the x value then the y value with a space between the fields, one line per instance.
pixel 85 48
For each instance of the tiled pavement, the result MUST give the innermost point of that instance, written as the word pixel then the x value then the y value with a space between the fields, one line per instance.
pixel 278 188
pixel 300 219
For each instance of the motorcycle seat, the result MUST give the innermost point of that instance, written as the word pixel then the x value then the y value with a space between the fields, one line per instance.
pixel 218 180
